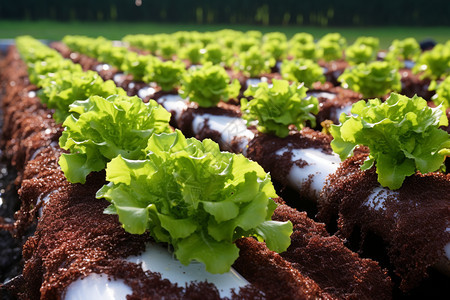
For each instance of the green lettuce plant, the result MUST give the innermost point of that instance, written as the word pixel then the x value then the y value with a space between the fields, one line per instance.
pixel 244 44
pixel 279 106
pixel 434 64
pixel 304 51
pixel 254 63
pixel 302 70
pixel 65 87
pixel 32 50
pixel 442 96
pixel 401 50
pixel 216 54
pixel 41 69
pixel 166 74
pixel 331 46
pixel 192 52
pixel 167 48
pixel 100 129
pixel 375 79
pixel 363 50
pixel 275 48
pixel 401 133
pixel 198 199
pixel 137 65
pixel 207 85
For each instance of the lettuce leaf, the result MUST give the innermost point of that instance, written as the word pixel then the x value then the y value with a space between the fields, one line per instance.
pixel 166 74
pixel 65 87
pixel 254 63
pixel 302 45
pixel 331 46
pixel 192 52
pixel 434 64
pixel 442 96
pixel 137 65
pixel 106 128
pixel 198 199
pixel 402 135
pixel 207 85
pixel 302 70
pixel 39 70
pixel 363 50
pixel 217 54
pixel 401 50
pixel 277 107
pixel 375 79
pixel 32 50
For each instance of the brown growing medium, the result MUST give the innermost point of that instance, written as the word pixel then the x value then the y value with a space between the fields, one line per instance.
pixel 74 237
pixel 328 262
pixel 329 107
pixel 413 224
pixel 263 149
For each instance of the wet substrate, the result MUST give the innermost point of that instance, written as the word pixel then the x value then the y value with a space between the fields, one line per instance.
pixel 11 264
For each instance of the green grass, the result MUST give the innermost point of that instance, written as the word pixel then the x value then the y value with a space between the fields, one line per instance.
pixel 56 30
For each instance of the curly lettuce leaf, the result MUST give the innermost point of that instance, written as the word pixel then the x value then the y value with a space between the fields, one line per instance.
pixel 277 107
pixel 254 63
pixel 302 45
pixel 106 128
pixel 166 74
pixel 442 96
pixel 137 65
pixel 39 70
pixel 363 50
pixel 192 52
pixel 302 70
pixel 435 63
pixel 402 135
pixel 207 85
pixel 217 54
pixel 198 199
pixel 65 87
pixel 276 48
pixel 403 50
pixel 331 46
pixel 375 79
pixel 32 50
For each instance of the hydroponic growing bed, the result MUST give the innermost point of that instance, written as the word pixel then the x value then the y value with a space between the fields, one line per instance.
pixel 227 165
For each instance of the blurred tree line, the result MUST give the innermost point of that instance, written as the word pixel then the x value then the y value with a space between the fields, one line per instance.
pixel 263 12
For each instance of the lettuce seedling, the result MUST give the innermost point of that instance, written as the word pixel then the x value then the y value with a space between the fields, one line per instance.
pixel 192 52
pixel 254 63
pixel 331 46
pixel 32 50
pixel 207 85
pixel 301 38
pixel 167 48
pixel 200 200
pixel 39 70
pixel 442 96
pixel 217 54
pixel 375 79
pixel 166 74
pixel 275 48
pixel 403 50
pixel 363 50
pixel 434 64
pixel 302 70
pixel 100 129
pixel 64 87
pixel 401 133
pixel 277 107
pixel 307 50
pixel 137 65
